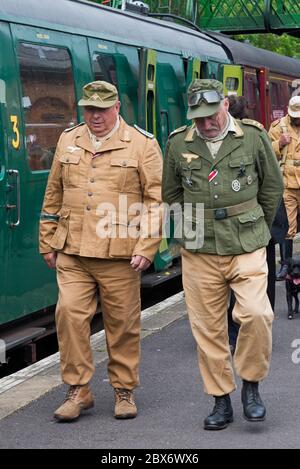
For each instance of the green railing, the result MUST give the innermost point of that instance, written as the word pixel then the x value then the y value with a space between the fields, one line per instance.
pixel 231 16
pixel 237 16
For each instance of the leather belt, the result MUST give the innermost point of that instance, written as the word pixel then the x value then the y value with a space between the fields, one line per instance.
pixel 221 213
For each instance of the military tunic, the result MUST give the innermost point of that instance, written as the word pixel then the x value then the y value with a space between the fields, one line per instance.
pixel 291 165
pixel 244 170
pixel 126 170
pixel 289 158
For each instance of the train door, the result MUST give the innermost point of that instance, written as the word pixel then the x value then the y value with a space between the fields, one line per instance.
pixel 171 86
pixel 264 95
pixel 193 67
pixel 4 239
pixel 252 94
pixel 41 103
pixel 279 95
pixel 147 92
pixel 170 96
pixel 3 189
pixel 119 65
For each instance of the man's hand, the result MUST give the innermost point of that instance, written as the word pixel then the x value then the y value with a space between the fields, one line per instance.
pixel 50 259
pixel 139 263
pixel 284 140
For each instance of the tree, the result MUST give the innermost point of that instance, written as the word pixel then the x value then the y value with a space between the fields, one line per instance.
pixel 284 44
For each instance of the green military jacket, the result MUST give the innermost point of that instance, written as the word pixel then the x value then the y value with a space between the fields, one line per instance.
pixel 240 189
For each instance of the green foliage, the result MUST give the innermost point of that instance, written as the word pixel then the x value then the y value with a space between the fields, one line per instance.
pixel 284 45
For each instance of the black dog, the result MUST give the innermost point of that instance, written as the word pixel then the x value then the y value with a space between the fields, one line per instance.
pixel 292 285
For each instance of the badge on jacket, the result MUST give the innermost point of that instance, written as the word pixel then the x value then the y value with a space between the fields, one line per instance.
pixel 212 175
pixel 236 185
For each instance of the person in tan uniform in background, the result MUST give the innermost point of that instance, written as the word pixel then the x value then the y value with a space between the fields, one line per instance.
pixel 95 231
pixel 285 136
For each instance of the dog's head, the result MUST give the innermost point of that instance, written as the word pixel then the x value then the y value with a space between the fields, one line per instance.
pixel 293 273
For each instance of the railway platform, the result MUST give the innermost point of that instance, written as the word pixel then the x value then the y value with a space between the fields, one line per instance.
pixel 170 400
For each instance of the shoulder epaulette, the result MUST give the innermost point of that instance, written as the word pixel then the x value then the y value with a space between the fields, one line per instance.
pixel 253 123
pixel 74 127
pixel 144 132
pixel 273 124
pixel 176 131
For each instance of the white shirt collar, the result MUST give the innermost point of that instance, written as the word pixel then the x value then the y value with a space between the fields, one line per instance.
pixel 230 127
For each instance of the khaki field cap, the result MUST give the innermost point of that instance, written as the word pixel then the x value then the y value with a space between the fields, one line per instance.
pixel 99 94
pixel 294 107
pixel 204 98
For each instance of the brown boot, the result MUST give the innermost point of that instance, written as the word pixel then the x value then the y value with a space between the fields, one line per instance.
pixel 125 407
pixel 78 398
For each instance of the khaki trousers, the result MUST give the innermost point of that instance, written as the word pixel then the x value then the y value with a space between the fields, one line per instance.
pixel 78 280
pixel 207 280
pixel 292 204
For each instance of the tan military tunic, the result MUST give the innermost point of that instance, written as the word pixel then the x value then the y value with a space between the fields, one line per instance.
pixel 289 156
pixel 291 171
pixel 91 194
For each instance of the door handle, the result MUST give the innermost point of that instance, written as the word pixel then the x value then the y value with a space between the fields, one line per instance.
pixel 15 172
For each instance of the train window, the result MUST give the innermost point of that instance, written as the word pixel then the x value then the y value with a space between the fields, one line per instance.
pixel 232 83
pixel 104 68
pixel 150 105
pixel 251 93
pixel 49 102
pixel 185 66
pixel 151 72
pixel 279 96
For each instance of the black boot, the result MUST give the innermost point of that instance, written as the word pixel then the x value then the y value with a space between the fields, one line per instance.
pixel 286 251
pixel 254 409
pixel 221 415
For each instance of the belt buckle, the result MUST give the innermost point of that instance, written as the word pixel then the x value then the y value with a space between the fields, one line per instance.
pixel 220 213
pixel 297 163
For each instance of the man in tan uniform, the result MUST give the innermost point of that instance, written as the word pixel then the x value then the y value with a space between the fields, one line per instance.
pixel 100 227
pixel 285 136
pixel 229 167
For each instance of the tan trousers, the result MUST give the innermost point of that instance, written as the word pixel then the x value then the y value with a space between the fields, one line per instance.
pixel 78 280
pixel 207 280
pixel 292 204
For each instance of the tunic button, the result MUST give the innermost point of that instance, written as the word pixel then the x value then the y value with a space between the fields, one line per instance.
pixel 67 160
pixel 216 196
pixel 92 180
pixel 93 166
pixel 88 207
pixel 90 194
pixel 216 183
pixel 124 163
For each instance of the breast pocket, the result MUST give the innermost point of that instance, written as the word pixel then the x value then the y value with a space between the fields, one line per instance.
pixel 70 167
pixel 124 175
pixel 242 173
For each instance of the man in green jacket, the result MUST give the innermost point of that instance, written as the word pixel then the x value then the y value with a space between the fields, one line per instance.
pixel 223 176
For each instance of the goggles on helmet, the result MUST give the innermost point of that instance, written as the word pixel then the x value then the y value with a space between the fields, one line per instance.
pixel 208 96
